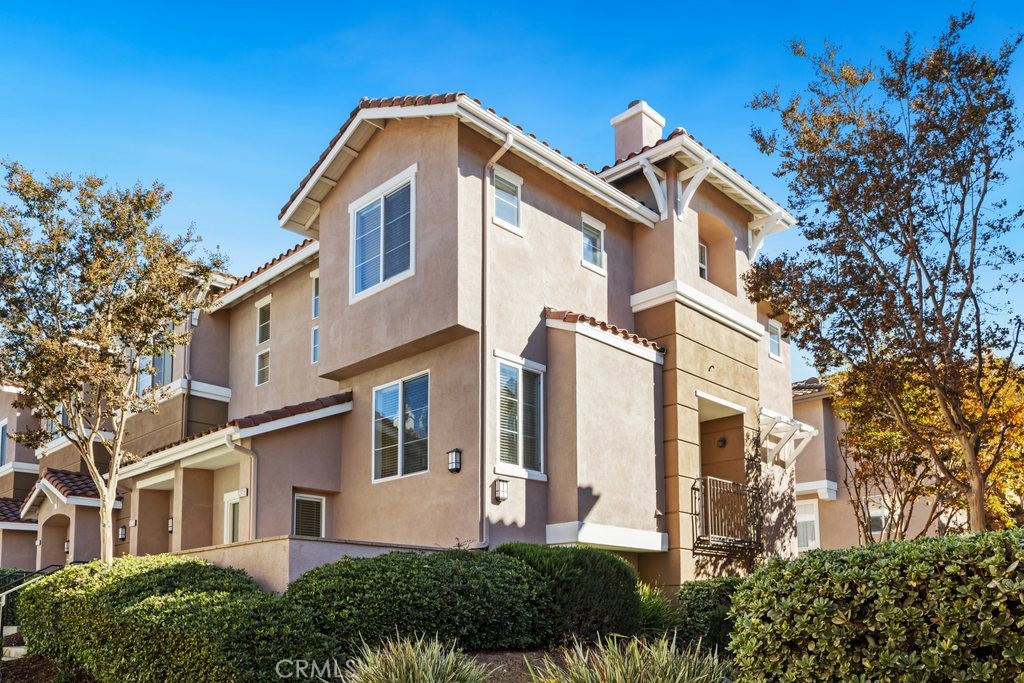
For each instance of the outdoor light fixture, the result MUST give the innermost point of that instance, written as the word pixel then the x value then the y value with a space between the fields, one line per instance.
pixel 170 525
pixel 455 460
pixel 721 442
pixel 133 522
pixel 243 492
pixel 67 547
pixel 122 533
pixel 39 542
pixel 500 489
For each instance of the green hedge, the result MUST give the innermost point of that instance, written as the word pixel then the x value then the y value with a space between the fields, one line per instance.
pixel 702 609
pixel 481 600
pixel 938 609
pixel 593 592
pixel 160 618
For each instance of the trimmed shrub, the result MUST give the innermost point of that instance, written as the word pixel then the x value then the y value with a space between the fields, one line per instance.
pixel 401 660
pixel 593 592
pixel 703 611
pixel 943 609
pixel 162 617
pixel 657 613
pixel 480 600
pixel 9 576
pixel 634 659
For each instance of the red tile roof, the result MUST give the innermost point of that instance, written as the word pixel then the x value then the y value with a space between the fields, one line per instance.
pixel 571 317
pixel 263 418
pixel 266 266
pixel 10 511
pixel 71 483
pixel 809 386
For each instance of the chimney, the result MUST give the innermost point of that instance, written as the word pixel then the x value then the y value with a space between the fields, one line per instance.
pixel 636 128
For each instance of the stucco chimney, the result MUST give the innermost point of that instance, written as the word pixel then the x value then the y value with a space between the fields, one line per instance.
pixel 636 128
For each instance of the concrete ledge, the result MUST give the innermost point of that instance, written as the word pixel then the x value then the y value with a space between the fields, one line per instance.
pixel 605 536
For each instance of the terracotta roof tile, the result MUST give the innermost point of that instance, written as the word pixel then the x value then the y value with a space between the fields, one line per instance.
pixel 809 386
pixel 71 483
pixel 266 266
pixel 10 511
pixel 572 317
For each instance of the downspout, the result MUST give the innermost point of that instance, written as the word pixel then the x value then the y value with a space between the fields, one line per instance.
pixel 187 376
pixel 485 528
pixel 251 454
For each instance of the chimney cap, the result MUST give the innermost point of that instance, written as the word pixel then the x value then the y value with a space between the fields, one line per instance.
pixel 640 107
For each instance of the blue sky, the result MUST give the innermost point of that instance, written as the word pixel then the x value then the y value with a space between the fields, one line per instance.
pixel 229 105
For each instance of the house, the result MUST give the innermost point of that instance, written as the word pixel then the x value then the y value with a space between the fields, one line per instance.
pixel 478 340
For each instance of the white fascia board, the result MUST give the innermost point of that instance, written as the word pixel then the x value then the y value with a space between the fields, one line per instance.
pixel 154 480
pixel 272 273
pixel 826 489
pixel 178 452
pixel 294 420
pixel 606 536
pixel 606 337
pixel 683 293
pixel 88 502
pixel 52 493
pixel 9 389
pixel 740 410
pixel 30 502
pixel 210 391
pixel 16 466
pixel 19 526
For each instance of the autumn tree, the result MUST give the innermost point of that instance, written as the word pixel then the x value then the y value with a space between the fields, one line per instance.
pixel 90 291
pixel 896 173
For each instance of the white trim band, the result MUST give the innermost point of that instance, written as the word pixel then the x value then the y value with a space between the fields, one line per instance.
pixel 605 536
pixel 826 489
pixel 682 293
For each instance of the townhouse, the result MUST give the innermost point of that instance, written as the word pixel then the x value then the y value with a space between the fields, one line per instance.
pixel 477 340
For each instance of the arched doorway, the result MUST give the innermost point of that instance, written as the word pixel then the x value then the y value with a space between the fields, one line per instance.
pixel 53 535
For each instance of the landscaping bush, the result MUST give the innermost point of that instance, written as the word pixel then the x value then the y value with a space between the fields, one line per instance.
pixel 9 577
pixel 657 613
pixel 703 611
pixel 481 600
pixel 401 660
pixel 615 660
pixel 942 609
pixel 160 618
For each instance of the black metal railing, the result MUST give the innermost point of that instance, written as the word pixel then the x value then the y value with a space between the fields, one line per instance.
pixel 723 513
pixel 13 582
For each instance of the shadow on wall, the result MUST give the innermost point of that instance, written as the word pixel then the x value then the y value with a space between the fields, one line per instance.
pixel 533 528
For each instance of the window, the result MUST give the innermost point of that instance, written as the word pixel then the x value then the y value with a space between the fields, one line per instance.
pixel 308 515
pixel 519 416
pixel 507 195
pixel 702 260
pixel 314 342
pixel 807 526
pixel 3 443
pixel 878 516
pixel 263 323
pixel 232 517
pixel 52 427
pixel 263 367
pixel 593 243
pixel 162 369
pixel 384 227
pixel 400 427
pixel 316 293
pixel 774 339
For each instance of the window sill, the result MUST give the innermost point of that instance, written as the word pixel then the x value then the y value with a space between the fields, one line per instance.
pixel 590 266
pixel 380 286
pixel 775 357
pixel 384 480
pixel 515 230
pixel 506 470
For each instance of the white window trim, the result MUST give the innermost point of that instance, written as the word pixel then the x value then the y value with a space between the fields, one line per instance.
pixel 314 345
pixel 406 176
pixel 230 498
pixel 257 368
pixel 518 470
pixel 588 220
pixel 265 301
pixel 776 327
pixel 510 177
pixel 702 247
pixel 877 503
pixel 314 295
pixel 323 512
pixel 817 523
pixel 4 446
pixel 401 444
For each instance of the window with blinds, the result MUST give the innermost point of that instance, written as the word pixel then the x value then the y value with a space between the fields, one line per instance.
pixel 263 368
pixel 593 245
pixel 807 526
pixel 400 427
pixel 519 407
pixel 383 238
pixel 263 324
pixel 507 194
pixel 309 516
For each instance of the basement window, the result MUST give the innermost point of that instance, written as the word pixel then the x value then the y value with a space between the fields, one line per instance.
pixel 308 515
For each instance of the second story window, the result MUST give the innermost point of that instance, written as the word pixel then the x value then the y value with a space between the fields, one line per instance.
pixel 519 416
pixel 53 425
pixel 316 294
pixel 774 339
pixel 263 367
pixel 383 235
pixel 400 427
pixel 593 243
pixel 3 443
pixel 314 344
pixel 508 189
pixel 702 260
pixel 263 322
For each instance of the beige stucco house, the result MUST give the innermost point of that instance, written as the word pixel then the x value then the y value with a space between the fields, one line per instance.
pixel 478 340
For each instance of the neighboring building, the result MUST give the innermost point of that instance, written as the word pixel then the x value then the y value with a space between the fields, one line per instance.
pixel 479 341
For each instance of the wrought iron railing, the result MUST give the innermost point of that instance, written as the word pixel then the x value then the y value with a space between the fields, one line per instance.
pixel 723 513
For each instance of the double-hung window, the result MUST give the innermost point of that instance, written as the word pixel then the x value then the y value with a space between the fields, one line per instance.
pixel 702 260
pixel 315 277
pixel 263 337
pixel 508 192
pixel 774 339
pixel 383 235
pixel 3 443
pixel 263 367
pixel 519 416
pixel 593 244
pixel 314 344
pixel 400 427
pixel 263 323
pixel 308 515
pixel 807 526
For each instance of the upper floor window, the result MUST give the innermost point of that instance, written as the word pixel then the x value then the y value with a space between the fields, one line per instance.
pixel 263 321
pixel 308 515
pixel 314 343
pixel 316 294
pixel 3 443
pixel 593 243
pixel 53 425
pixel 383 235
pixel 508 189
pixel 519 416
pixel 702 260
pixel 774 339
pixel 400 427
pixel 263 367
pixel 807 526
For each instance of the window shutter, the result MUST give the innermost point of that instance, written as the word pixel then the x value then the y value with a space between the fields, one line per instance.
pixel 308 515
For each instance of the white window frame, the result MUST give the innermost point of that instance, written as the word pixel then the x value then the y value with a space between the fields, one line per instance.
pixel 314 345
pixel 401 443
pixel 394 183
pixel 314 294
pixel 264 352
pixel 703 267
pixel 323 512
pixel 4 438
pixel 513 179
pixel 504 468
pixel 875 503
pixel 586 220
pixel 232 498
pixel 817 523
pixel 774 327
pixel 259 305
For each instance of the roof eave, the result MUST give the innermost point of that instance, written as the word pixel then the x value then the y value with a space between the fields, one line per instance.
pixel 270 275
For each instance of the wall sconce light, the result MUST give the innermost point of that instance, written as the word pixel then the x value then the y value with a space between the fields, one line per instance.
pixel 39 542
pixel 133 522
pixel 122 533
pixel 500 489
pixel 170 525
pixel 721 442
pixel 455 460
pixel 67 547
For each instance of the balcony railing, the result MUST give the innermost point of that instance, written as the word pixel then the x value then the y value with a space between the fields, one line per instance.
pixel 723 513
